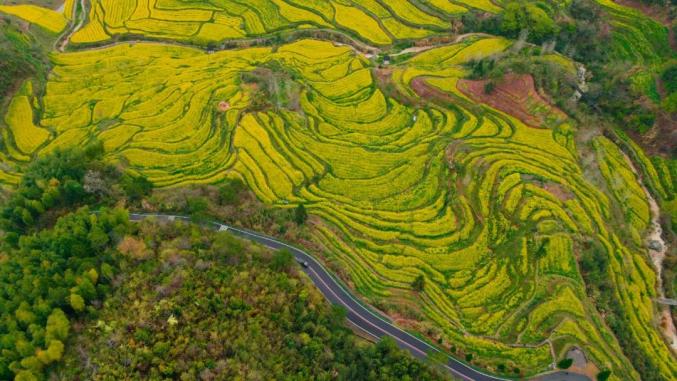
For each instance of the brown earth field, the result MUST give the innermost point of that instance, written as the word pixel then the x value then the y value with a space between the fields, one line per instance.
pixel 516 95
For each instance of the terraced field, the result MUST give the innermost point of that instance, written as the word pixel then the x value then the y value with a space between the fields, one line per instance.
pixel 46 18
pixel 374 21
pixel 492 212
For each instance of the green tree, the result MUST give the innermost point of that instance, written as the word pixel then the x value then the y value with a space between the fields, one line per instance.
pixel 19 58
pixel 300 214
pixel 669 78
pixel 51 181
pixel 53 353
pixel 419 283
pixel 86 289
pixel 32 363
pixel 230 190
pixel 197 208
pixel 520 16
pixel 669 104
pixel 24 314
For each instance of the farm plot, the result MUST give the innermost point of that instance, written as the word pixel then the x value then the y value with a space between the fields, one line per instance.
pixel 636 37
pixel 19 119
pixel 48 19
pixel 210 22
pixel 490 211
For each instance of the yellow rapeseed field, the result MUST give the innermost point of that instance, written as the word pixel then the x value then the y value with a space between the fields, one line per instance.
pixel 488 210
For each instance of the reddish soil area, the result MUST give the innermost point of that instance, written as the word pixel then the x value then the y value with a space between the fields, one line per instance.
pixel 558 191
pixel 425 91
pixel 223 106
pixel 515 95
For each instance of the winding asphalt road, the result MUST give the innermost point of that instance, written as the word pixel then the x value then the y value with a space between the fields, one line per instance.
pixel 358 314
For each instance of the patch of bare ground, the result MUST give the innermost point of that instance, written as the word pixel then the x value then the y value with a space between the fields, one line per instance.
pixel 516 95
pixel 431 93
pixel 384 81
pixel 558 191
pixel 404 322
pixel 581 365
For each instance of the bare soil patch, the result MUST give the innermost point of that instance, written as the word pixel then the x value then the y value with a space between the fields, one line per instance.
pixel 223 106
pixel 516 95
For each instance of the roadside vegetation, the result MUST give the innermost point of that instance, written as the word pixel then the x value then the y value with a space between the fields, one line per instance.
pixel 71 280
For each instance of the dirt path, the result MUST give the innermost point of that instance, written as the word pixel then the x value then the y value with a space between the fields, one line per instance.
pixel 657 251
pixel 63 40
pixel 422 48
pixel 425 91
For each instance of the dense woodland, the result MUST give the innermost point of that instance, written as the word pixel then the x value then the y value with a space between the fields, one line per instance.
pixel 87 295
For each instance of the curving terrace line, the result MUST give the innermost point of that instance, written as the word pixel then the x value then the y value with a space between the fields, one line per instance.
pixel 359 314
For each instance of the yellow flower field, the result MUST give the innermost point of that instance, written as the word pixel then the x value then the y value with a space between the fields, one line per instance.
pixel 494 214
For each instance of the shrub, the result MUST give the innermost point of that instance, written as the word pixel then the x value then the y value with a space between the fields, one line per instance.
pixel 565 363
pixel 603 375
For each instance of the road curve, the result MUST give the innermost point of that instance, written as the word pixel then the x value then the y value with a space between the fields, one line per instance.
pixel 358 313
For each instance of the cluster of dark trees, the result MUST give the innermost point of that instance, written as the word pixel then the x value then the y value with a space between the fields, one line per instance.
pixel 90 295
pixel 669 80
pixel 576 30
